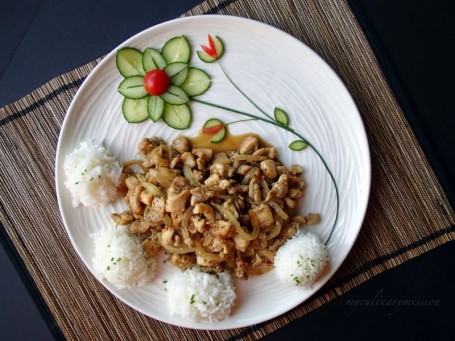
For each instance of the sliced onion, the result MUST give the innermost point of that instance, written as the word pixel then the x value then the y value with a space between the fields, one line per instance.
pixel 154 190
pixel 167 221
pixel 279 211
pixel 188 173
pixel 138 163
pixel 245 235
pixel 201 252
pixel 184 225
pixel 275 230
pixel 246 179
pixel 175 249
pixel 259 269
pixel 249 158
pixel 161 176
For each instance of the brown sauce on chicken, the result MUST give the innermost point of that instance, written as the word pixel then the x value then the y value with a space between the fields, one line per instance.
pixel 230 142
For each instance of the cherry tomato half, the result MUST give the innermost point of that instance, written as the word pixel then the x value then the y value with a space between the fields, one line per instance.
pixel 156 82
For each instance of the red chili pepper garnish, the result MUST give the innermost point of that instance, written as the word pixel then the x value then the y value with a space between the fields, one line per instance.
pixel 212 46
pixel 211 49
pixel 212 129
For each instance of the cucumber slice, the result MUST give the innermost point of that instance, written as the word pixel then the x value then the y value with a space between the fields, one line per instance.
pixel 212 122
pixel 155 107
pixel 298 145
pixel 129 62
pixel 177 116
pixel 133 87
pixel 175 95
pixel 219 48
pixel 152 59
pixel 177 49
pixel 177 72
pixel 197 82
pixel 135 110
pixel 281 116
pixel 218 136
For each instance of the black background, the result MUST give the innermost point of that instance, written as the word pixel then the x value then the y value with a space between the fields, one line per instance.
pixel 414 42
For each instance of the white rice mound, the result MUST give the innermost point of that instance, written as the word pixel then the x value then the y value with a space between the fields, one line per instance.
pixel 301 260
pixel 92 174
pixel 120 259
pixel 199 296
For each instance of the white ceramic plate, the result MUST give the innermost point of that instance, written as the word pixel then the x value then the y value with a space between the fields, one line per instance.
pixel 275 70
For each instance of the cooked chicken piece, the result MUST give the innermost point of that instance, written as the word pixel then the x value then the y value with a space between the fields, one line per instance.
pixel 229 204
pixel 205 262
pixel 138 227
pixel 295 170
pixel 131 182
pixel 161 176
pixel 176 218
pixel 297 220
pixel 225 184
pixel 221 229
pixel 154 215
pixel 201 164
pixel 188 160
pixel 312 219
pixel 240 268
pixel 279 188
pixel 259 243
pixel 244 169
pixel 178 184
pixel 295 193
pixel 268 168
pixel 240 243
pixel 134 201
pixel 281 170
pixel 177 195
pixel 239 203
pixel 220 169
pixel 293 225
pixel 254 190
pixel 203 153
pixel 201 194
pixel 150 247
pixel 175 161
pixel 146 145
pixel 261 215
pixel 214 244
pixel 212 180
pixel 296 182
pixel 221 158
pixel 167 235
pixel 277 242
pixel 248 145
pixel 198 223
pixel 177 202
pixel 270 152
pixel 122 219
pixel 159 157
pixel 289 202
pixel 183 261
pixel 146 198
pixel 181 144
pixel 206 210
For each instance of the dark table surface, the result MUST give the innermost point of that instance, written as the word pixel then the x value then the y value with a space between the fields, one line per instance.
pixel 413 40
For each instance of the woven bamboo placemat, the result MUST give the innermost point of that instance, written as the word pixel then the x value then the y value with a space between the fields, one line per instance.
pixel 408 212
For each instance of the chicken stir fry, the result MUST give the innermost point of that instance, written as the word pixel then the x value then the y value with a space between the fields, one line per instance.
pixel 230 210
